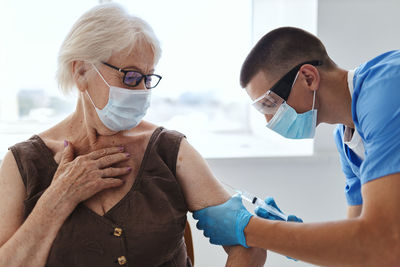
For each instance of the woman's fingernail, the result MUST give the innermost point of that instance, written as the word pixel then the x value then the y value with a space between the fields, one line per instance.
pixel 65 143
pixel 121 148
pixel 127 155
pixel 129 169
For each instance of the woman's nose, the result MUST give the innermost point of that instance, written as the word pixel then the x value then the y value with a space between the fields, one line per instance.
pixel 141 85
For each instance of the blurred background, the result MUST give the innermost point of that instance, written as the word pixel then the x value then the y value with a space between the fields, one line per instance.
pixel 204 44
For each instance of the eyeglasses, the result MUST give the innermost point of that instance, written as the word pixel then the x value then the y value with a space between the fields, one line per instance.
pixel 269 102
pixel 133 78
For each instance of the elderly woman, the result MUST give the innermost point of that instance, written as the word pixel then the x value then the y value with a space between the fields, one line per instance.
pixel 103 187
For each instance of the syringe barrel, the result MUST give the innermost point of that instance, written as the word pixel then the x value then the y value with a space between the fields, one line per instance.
pixel 259 202
pixel 270 209
pixel 247 196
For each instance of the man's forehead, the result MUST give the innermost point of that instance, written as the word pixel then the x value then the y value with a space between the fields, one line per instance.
pixel 258 85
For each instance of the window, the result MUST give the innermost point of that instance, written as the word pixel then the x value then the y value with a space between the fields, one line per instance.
pixel 204 44
pixel 32 32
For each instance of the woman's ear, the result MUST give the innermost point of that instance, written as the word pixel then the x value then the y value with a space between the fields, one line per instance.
pixel 79 71
pixel 311 75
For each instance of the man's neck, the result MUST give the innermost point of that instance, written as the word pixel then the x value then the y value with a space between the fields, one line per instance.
pixel 335 98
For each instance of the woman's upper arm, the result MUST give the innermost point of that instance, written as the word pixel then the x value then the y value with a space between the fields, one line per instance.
pixel 12 195
pixel 200 187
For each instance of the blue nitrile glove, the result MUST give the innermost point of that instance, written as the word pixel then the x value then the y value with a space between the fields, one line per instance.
pixel 224 224
pixel 261 212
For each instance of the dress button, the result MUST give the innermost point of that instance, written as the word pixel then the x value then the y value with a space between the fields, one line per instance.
pixel 122 260
pixel 117 231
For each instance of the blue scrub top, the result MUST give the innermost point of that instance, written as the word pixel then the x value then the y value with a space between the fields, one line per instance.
pixel 376 114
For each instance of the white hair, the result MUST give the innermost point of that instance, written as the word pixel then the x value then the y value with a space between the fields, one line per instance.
pixel 98 33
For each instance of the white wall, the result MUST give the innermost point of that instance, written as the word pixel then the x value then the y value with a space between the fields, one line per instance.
pixel 312 187
pixel 357 30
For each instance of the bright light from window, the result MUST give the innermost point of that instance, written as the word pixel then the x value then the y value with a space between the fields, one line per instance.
pixel 204 44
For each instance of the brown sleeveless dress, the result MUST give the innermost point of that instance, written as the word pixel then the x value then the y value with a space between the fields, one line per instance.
pixel 145 228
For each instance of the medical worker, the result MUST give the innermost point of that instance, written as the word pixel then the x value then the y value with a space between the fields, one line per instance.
pixel 293 82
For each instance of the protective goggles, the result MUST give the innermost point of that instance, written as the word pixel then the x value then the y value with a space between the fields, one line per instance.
pixel 269 102
pixel 133 78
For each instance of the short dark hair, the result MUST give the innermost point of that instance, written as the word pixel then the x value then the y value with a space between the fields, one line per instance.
pixel 280 50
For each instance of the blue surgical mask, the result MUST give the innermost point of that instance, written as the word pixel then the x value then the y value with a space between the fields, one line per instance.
pixel 288 123
pixel 125 108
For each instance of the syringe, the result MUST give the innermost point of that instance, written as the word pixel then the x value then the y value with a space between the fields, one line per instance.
pixel 258 202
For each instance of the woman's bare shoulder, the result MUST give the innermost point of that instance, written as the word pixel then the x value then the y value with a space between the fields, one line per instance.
pixel 54 138
pixel 200 187
pixel 143 129
pixel 146 127
pixel 57 132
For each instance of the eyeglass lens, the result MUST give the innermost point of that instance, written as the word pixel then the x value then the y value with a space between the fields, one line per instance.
pixel 268 103
pixel 133 78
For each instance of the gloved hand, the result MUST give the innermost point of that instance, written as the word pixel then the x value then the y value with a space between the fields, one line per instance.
pixel 261 212
pixel 224 224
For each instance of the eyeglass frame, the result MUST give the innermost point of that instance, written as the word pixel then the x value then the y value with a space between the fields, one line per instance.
pixel 145 76
pixel 287 80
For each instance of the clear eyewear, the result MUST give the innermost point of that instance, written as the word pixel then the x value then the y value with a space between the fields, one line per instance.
pixel 269 102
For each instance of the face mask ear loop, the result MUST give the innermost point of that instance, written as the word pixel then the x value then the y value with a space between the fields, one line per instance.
pixel 295 79
pixel 100 74
pixel 90 99
pixel 313 102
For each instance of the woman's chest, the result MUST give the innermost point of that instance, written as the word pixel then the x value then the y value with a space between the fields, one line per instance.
pixel 106 199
